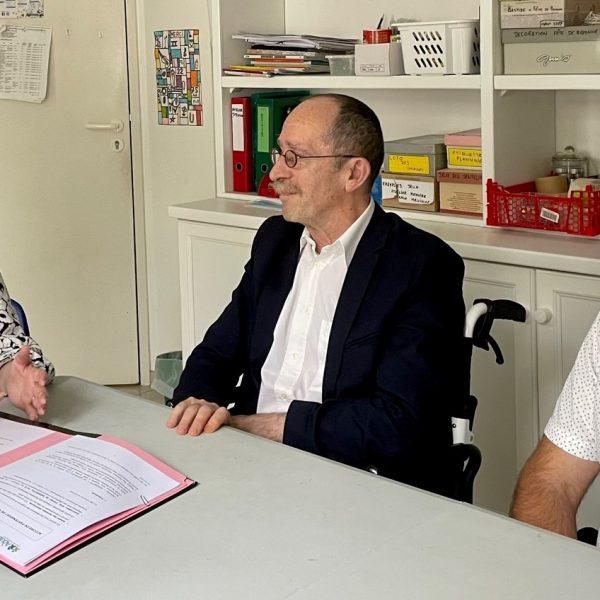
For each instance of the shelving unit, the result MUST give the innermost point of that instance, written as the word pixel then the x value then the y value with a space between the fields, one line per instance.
pixel 322 82
pixel 524 120
pixel 522 117
pixel 547 82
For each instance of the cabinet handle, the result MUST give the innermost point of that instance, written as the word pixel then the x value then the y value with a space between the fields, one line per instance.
pixel 542 315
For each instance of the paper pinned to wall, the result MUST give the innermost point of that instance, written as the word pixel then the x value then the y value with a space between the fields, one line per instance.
pixel 16 9
pixel 178 84
pixel 24 60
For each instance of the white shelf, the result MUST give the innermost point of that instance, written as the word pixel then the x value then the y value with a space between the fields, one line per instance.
pixel 398 82
pixel 405 214
pixel 547 82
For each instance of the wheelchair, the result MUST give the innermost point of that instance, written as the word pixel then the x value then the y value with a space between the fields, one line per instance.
pixel 464 457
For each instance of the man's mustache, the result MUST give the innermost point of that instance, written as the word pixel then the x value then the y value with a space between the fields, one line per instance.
pixel 282 188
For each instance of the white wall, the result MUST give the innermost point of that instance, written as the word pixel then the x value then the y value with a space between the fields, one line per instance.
pixel 178 164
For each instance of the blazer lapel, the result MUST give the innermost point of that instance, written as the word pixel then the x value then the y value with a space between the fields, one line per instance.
pixel 354 288
pixel 272 298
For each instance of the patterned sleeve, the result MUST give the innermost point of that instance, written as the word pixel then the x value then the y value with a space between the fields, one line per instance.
pixel 13 338
pixel 575 423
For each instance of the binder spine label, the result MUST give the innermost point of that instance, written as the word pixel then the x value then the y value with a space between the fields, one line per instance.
pixel 262 129
pixel 237 127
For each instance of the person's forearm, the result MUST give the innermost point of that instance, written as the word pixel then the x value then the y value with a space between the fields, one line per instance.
pixel 269 425
pixel 545 507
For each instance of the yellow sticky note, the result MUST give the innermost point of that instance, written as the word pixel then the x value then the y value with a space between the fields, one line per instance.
pixel 464 157
pixel 406 163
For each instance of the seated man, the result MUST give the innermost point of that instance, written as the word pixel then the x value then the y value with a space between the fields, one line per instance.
pixel 24 373
pixel 566 461
pixel 347 322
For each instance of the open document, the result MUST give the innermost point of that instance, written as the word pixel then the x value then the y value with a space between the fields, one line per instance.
pixel 59 490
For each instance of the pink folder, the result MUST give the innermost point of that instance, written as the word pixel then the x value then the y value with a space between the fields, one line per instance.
pixel 97 529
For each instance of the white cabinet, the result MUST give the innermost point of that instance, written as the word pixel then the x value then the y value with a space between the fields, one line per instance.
pixel 506 419
pixel 567 306
pixel 211 259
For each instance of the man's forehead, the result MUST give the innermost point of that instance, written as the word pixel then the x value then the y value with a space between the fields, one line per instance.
pixel 308 122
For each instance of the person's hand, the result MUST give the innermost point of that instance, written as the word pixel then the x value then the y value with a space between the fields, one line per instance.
pixel 195 416
pixel 25 384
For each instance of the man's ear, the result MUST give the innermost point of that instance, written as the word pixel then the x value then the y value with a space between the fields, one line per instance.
pixel 358 170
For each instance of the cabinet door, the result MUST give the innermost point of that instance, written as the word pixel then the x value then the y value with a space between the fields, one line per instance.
pixel 211 259
pixel 570 303
pixel 506 418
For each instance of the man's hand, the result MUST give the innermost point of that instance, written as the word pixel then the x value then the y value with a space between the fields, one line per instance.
pixel 195 416
pixel 25 384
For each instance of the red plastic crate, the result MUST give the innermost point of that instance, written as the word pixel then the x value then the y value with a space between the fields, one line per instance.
pixel 520 206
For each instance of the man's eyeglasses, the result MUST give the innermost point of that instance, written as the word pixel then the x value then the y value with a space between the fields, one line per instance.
pixel 291 157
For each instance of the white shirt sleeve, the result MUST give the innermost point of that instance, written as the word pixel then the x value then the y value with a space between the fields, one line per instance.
pixel 575 424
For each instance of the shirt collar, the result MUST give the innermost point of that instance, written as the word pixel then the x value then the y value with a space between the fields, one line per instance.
pixel 350 239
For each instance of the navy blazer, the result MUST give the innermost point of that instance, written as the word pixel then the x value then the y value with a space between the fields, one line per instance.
pixel 393 358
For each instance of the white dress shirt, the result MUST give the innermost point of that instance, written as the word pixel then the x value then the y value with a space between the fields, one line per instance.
pixel 294 366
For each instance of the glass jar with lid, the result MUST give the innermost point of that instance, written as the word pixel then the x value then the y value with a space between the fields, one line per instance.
pixel 568 162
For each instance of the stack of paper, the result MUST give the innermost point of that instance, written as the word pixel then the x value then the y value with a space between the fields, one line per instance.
pixel 326 44
pixel 59 490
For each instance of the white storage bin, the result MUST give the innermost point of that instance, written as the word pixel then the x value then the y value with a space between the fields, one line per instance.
pixel 440 48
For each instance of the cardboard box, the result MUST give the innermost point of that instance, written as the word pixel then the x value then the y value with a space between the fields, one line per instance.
pixel 410 191
pixel 463 157
pixel 470 138
pixel 516 14
pixel 461 192
pixel 551 58
pixel 421 155
pixel 582 33
pixel 378 59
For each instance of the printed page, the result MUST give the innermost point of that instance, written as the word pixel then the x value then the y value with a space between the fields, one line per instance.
pixel 14 435
pixel 48 497
pixel 24 60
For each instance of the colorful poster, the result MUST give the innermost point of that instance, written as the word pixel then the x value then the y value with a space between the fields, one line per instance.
pixel 178 85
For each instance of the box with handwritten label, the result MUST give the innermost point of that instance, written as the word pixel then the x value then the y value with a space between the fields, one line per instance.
pixel 461 191
pixel 422 155
pixel 563 50
pixel 415 192
pixel 464 149
pixel 545 13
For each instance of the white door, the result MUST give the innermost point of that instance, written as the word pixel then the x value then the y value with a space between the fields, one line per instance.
pixel 571 303
pixel 66 210
pixel 505 421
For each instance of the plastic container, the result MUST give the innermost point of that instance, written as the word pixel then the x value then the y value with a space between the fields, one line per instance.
pixel 341 64
pixel 167 371
pixel 520 206
pixel 440 47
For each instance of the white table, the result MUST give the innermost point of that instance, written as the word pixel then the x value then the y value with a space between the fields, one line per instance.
pixel 267 521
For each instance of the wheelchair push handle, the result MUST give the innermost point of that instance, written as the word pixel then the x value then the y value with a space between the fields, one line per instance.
pixel 507 310
pixel 480 319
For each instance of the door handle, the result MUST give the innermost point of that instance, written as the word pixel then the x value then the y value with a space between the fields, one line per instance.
pixel 112 126
pixel 542 315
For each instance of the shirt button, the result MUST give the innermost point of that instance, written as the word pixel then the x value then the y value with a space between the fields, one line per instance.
pixel 283 396
pixel 295 355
